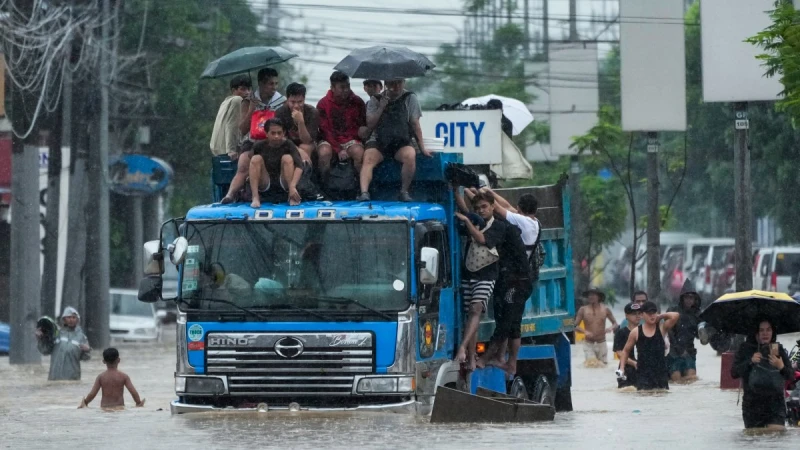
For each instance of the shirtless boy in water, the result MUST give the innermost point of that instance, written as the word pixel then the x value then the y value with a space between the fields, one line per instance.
pixel 112 382
pixel 594 315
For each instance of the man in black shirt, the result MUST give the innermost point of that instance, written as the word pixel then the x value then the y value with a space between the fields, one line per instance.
pixel 633 314
pixel 276 165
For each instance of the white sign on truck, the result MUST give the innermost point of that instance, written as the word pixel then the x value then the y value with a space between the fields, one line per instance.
pixel 474 133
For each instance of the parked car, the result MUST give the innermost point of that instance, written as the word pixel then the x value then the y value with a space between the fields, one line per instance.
pixel 725 275
pixel 761 266
pixel 5 336
pixel 714 266
pixel 132 320
pixel 700 253
pixel 670 242
pixel 777 268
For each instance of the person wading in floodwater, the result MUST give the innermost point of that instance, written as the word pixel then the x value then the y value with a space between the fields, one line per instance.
pixel 594 315
pixel 648 338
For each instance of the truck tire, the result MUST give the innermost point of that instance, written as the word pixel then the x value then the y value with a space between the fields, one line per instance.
pixel 517 388
pixel 563 401
pixel 542 391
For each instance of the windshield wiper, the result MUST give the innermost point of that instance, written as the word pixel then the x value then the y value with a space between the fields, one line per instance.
pixel 345 300
pixel 298 308
pixel 226 302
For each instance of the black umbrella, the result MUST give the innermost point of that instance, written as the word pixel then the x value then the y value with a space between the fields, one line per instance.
pixel 739 312
pixel 384 63
pixel 246 59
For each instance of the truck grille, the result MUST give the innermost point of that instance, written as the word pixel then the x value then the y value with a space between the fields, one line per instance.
pixel 290 364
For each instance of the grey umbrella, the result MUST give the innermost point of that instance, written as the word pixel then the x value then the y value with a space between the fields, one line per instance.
pixel 246 59
pixel 384 63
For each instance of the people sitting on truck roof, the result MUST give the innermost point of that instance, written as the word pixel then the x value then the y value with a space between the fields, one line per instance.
pixel 395 119
pixel 267 89
pixel 341 114
pixel 480 271
pixel 226 136
pixel 373 89
pixel 301 119
pixel 276 166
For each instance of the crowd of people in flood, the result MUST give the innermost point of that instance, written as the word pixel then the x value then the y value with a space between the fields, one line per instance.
pixel 286 149
pixel 655 348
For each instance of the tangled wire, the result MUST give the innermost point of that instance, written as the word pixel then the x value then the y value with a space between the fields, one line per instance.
pixel 48 39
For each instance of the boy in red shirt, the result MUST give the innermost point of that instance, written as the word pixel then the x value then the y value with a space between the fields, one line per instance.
pixel 341 114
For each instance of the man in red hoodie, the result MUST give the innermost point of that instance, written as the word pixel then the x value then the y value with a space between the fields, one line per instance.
pixel 341 114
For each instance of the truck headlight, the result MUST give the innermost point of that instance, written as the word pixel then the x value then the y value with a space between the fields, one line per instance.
pixel 199 385
pixel 204 385
pixel 180 384
pixel 383 385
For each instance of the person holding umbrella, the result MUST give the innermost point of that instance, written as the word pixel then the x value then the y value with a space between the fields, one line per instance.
pixel 761 363
pixel 763 366
pixel 395 119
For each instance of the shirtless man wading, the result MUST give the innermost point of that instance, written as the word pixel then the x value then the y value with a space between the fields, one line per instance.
pixel 594 315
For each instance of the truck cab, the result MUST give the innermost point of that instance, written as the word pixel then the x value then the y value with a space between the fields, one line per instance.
pixel 347 305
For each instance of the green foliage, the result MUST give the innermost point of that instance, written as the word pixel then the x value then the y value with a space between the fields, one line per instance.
pixel 180 39
pixel 781 44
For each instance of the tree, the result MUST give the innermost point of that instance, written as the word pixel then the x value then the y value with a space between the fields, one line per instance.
pixel 781 44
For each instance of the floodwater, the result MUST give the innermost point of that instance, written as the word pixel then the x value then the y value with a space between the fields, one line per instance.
pixel 38 414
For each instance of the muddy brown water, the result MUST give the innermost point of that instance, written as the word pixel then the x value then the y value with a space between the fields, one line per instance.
pixel 38 414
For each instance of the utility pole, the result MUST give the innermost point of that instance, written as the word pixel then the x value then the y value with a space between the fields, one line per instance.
pixel 653 220
pixel 744 212
pixel 526 18
pixel 97 237
pixel 50 272
pixel 546 29
pixel 573 20
pixel 273 20
pixel 25 281
pixel 578 226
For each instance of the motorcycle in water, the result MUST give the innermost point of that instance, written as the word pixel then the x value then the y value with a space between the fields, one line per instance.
pixel 793 389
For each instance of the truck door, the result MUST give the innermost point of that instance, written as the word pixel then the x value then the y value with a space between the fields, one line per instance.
pixel 436 307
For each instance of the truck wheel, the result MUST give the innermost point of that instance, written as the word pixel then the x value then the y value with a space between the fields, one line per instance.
pixel 516 388
pixel 543 392
pixel 563 402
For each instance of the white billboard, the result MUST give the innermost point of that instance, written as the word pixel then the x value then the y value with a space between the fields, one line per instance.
pixel 540 107
pixel 653 65
pixel 574 100
pixel 731 72
pixel 475 133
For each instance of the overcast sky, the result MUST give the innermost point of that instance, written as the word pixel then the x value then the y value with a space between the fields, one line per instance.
pixel 323 32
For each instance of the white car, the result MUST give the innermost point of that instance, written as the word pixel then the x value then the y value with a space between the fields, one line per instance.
pixel 132 320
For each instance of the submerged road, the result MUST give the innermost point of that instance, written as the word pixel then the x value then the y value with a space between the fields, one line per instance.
pixel 38 414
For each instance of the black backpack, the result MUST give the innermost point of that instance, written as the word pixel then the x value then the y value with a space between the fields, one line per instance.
pixel 513 254
pixel 538 254
pixel 342 181
pixel 393 128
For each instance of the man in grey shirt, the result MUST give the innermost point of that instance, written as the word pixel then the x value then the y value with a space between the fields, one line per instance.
pixel 395 119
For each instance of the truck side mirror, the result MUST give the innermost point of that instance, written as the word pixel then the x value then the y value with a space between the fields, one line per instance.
pixel 177 250
pixel 428 265
pixel 152 259
pixel 150 289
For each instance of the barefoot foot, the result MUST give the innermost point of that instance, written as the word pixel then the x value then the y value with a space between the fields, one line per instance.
pixel 255 204
pixel 227 199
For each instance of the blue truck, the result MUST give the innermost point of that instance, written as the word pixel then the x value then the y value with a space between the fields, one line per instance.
pixel 348 305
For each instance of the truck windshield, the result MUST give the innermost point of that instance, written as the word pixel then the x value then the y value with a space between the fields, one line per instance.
pixel 286 265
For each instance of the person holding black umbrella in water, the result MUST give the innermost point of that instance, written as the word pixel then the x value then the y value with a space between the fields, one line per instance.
pixel 764 367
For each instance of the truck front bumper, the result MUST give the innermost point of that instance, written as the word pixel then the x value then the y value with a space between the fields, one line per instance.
pixel 406 407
